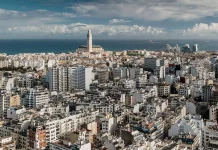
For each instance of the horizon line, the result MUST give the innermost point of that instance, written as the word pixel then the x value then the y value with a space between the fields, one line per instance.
pixel 108 39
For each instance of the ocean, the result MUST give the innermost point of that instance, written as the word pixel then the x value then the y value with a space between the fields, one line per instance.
pixel 66 45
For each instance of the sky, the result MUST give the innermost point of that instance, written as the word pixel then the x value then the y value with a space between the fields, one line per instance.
pixel 109 19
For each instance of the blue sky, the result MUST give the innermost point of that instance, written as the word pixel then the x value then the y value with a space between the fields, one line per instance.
pixel 109 19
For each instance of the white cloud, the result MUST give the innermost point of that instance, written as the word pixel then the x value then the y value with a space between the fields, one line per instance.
pixel 35 14
pixel 81 29
pixel 5 14
pixel 203 30
pixel 114 21
pixel 69 15
pixel 41 10
pixel 154 10
pixel 32 18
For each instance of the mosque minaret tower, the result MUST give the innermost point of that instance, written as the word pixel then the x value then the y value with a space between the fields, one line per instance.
pixel 94 49
pixel 89 41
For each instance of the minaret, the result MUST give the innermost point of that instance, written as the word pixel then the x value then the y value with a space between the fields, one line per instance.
pixel 89 41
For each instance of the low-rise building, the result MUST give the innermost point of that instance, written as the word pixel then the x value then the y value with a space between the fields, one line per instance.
pixel 7 143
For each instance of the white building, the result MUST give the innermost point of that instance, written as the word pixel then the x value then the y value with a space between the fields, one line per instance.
pixel 64 79
pixel 120 72
pixel 210 135
pixel 160 72
pixel 141 80
pixel 7 100
pixel 199 72
pixel 112 142
pixel 196 91
pixel 79 77
pixel 14 112
pixel 7 83
pixel 213 112
pixel 157 107
pixel 62 76
pixel 137 135
pixel 51 63
pixel 190 108
pixel 108 124
pixel 189 124
pixel 142 95
pixel 60 126
pixel 105 108
pixel 69 146
pixel 26 81
pixel 4 104
pixel 40 64
pixel 195 48
pixel 7 143
pixel 129 84
pixel 164 90
pixel 185 91
pixel 153 79
pixel 36 97
pixel 53 78
pixel 134 72
pixel 53 110
pixel 170 79
pixel 180 73
pixel 4 63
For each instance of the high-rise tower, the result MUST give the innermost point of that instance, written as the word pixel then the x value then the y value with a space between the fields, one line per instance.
pixel 89 41
pixel 89 47
pixel 195 48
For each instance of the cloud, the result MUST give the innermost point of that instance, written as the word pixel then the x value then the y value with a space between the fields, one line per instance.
pixel 34 14
pixel 202 30
pixel 44 22
pixel 32 18
pixel 5 14
pixel 37 23
pixel 81 29
pixel 154 10
pixel 69 15
pixel 114 21
pixel 41 10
